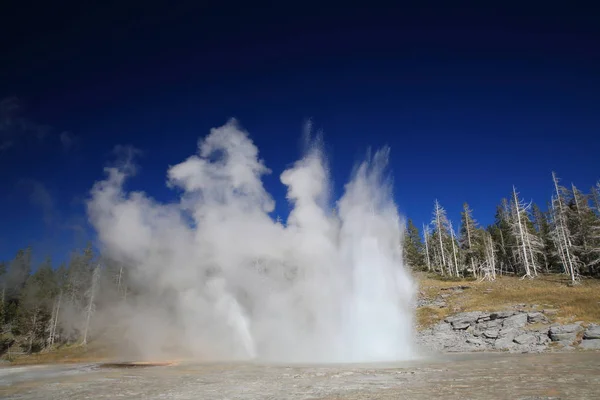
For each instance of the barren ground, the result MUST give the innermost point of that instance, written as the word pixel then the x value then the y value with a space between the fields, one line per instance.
pixel 573 375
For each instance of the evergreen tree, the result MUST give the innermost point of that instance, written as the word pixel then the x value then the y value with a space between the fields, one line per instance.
pixel 585 228
pixel 503 239
pixel 542 227
pixel 413 247
pixel 34 305
pixel 595 193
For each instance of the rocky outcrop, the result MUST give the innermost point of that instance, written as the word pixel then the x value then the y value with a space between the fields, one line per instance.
pixel 564 333
pixel 592 332
pixel 512 330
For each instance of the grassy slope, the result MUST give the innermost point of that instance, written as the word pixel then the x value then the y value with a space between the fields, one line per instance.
pixel 64 354
pixel 573 303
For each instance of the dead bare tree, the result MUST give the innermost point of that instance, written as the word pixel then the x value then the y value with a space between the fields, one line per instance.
pixel 425 237
pixel 561 234
pixel 520 233
pixel 90 307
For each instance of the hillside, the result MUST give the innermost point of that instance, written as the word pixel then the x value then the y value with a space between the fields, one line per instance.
pixel 553 293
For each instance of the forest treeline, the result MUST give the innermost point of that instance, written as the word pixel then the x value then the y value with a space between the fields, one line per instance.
pixel 523 240
pixel 51 306
pixel 44 306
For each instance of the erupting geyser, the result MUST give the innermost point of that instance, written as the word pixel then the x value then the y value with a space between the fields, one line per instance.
pixel 215 276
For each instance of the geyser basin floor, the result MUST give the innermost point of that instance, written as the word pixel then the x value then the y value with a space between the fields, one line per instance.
pixel 474 376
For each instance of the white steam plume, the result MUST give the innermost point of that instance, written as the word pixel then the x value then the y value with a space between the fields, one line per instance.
pixel 326 286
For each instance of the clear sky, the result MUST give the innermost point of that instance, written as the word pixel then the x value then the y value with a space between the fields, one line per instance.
pixel 471 101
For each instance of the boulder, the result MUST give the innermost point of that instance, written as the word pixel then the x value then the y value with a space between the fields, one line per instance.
pixel 534 317
pixel 493 324
pixel 465 319
pixel 441 327
pixel 525 338
pixel 504 344
pixel 564 333
pixel 460 325
pixel 509 333
pixel 515 321
pixel 476 341
pixel 592 332
pixel 502 314
pixel 543 339
pixel 491 333
pixel 590 344
pixel 566 345
pixel 564 337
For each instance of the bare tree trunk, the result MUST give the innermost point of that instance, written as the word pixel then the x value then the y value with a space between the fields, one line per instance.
pixel 531 255
pixel 32 331
pixel 454 251
pixel 503 249
pixel 439 227
pixel 470 243
pixel 54 320
pixel 561 222
pixel 425 234
pixel 518 211
pixel 90 307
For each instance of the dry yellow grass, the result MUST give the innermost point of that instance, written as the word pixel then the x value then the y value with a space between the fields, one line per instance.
pixel 573 303
pixel 62 355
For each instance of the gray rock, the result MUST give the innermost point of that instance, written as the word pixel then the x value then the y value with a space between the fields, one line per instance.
pixel 543 339
pixel 564 337
pixel 493 324
pixel 504 344
pixel 502 314
pixel 509 333
pixel 565 333
pixel 525 338
pixel 464 320
pixel 572 328
pixel 590 344
pixel 566 345
pixel 478 342
pixel 491 333
pixel 441 327
pixel 461 325
pixel 534 317
pixel 515 321
pixel 592 332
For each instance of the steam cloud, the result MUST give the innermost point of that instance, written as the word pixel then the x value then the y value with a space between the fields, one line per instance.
pixel 217 278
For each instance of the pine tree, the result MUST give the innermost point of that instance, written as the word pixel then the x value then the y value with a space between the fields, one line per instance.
pixel 585 228
pixel 595 193
pixel 503 239
pixel 34 304
pixel 413 247
pixel 542 227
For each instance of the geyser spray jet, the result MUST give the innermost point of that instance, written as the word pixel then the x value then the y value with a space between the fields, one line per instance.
pixel 216 275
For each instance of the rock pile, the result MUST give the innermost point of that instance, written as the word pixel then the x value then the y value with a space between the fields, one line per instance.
pixel 514 331
pixel 591 338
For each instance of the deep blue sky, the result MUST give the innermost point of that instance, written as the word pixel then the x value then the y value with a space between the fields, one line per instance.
pixel 471 101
